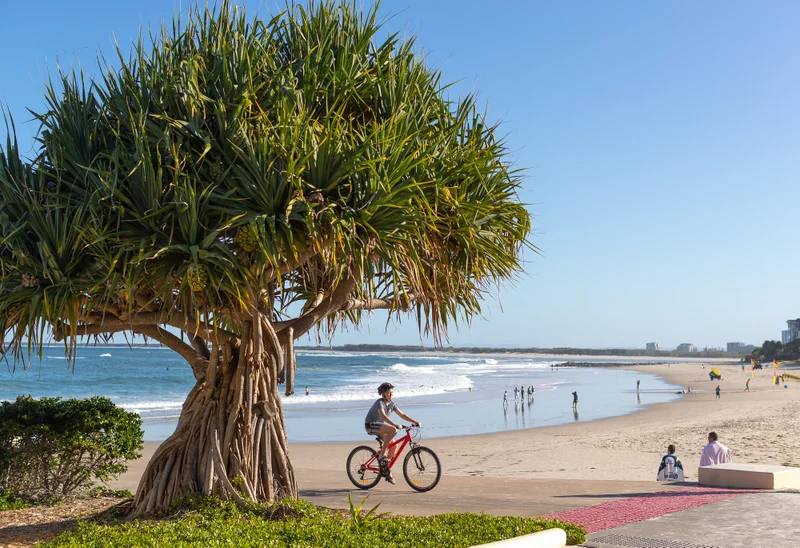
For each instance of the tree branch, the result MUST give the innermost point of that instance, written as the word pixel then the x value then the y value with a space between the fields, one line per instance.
pixel 174 318
pixel 331 303
pixel 199 365
pixel 292 264
pixel 378 304
pixel 402 305
pixel 199 344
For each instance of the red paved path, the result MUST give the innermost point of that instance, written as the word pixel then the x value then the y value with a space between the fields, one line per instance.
pixel 630 510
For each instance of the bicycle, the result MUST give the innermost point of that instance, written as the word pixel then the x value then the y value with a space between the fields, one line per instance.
pixel 421 467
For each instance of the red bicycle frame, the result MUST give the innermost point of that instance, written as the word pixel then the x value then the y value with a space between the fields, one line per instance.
pixel 371 464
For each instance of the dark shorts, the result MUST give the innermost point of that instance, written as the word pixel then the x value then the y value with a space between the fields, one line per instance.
pixel 373 428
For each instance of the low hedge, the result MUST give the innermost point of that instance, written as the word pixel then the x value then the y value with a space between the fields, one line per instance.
pixel 300 524
pixel 12 501
pixel 51 449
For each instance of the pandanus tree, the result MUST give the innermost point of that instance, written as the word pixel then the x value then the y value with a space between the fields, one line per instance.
pixel 234 184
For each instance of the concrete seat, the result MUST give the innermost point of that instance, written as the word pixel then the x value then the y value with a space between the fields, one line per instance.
pixel 749 476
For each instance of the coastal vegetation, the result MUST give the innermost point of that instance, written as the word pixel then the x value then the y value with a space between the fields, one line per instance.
pixel 9 500
pixel 772 350
pixel 52 449
pixel 234 184
pixel 562 351
pixel 208 521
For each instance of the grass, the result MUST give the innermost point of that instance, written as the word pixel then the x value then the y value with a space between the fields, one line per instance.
pixel 209 522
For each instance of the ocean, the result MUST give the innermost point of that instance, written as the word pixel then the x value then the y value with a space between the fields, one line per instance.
pixel 451 394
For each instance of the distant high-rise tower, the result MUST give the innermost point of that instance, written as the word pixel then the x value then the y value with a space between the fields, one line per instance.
pixel 792 333
pixel 651 346
pixel 686 347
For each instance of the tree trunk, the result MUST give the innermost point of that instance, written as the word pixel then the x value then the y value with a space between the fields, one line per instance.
pixel 231 435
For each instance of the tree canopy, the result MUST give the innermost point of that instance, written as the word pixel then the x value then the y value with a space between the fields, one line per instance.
pixel 300 163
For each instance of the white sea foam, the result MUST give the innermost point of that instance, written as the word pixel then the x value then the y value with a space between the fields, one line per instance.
pixel 151 407
pixel 403 368
pixel 400 356
pixel 410 381
pixel 105 355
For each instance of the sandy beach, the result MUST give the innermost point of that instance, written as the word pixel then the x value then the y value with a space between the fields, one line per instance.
pixel 760 426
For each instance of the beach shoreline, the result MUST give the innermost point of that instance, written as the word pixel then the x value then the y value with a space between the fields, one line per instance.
pixel 760 426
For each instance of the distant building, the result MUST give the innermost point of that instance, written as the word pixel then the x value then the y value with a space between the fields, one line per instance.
pixel 651 346
pixel 686 347
pixel 792 333
pixel 740 347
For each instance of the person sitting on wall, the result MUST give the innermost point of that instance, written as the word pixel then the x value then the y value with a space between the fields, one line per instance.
pixel 714 452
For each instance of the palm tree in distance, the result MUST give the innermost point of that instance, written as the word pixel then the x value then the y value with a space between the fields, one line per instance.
pixel 241 183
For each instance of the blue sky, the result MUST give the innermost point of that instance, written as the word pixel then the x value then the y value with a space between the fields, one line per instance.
pixel 661 139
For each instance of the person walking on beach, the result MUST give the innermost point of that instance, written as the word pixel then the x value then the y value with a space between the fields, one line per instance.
pixel 747 386
pixel 714 452
pixel 505 398
pixel 637 384
pixel 717 391
pixel 575 400
pixel 516 394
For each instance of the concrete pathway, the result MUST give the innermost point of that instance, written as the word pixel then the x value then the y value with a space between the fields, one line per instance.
pixel 498 496
pixel 759 520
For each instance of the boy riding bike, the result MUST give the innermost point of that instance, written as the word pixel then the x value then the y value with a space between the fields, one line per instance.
pixel 378 423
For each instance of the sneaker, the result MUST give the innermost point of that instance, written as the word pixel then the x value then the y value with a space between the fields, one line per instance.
pixel 383 464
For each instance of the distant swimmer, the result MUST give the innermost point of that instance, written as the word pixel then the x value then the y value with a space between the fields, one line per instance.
pixel 306 391
pixel 575 400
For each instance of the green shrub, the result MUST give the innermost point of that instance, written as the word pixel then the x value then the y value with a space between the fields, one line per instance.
pixel 12 501
pixel 51 449
pixel 299 523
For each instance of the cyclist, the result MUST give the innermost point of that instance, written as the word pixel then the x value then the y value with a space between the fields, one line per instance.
pixel 378 423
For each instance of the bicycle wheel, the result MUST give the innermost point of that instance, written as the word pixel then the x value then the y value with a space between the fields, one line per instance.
pixel 422 469
pixel 362 476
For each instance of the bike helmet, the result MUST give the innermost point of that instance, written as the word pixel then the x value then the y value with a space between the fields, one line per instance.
pixel 384 387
